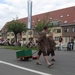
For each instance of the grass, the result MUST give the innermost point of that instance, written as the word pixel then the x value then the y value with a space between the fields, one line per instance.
pixel 17 48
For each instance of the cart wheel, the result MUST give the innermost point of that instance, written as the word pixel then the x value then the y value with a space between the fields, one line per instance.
pixel 34 57
pixel 22 58
pixel 26 58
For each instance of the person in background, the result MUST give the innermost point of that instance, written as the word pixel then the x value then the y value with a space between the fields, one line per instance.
pixel 72 41
pixel 60 42
pixel 43 46
pixel 36 43
pixel 52 44
pixel 32 43
pixel 21 42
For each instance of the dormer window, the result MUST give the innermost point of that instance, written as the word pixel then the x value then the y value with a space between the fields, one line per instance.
pixel 50 18
pixel 61 16
pixel 65 21
pixel 33 21
pixel 39 20
pixel 68 15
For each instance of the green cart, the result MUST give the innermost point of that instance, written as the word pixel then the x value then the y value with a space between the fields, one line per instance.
pixel 25 54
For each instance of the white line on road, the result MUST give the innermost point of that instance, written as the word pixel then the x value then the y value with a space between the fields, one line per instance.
pixel 23 68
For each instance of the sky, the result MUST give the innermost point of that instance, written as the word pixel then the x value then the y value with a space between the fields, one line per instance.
pixel 10 9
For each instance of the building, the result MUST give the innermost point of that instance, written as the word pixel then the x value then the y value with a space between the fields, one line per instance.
pixel 68 31
pixel 0 35
pixel 63 19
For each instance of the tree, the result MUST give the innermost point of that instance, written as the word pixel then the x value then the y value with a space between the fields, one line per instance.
pixel 39 25
pixel 16 27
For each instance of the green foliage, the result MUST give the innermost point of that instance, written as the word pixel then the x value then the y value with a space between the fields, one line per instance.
pixel 43 22
pixel 17 48
pixel 16 27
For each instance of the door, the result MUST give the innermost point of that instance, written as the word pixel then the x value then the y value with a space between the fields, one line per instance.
pixel 67 39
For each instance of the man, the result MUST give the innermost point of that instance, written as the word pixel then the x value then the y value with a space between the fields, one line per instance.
pixel 31 43
pixel 72 42
pixel 60 41
pixel 43 46
pixel 52 44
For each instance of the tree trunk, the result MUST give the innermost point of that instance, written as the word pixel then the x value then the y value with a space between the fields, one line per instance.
pixel 20 36
pixel 16 38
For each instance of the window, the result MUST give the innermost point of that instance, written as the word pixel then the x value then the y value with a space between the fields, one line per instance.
pixel 58 31
pixel 7 34
pixel 35 32
pixel 33 21
pixel 73 29
pixel 74 20
pixel 56 38
pixel 12 34
pixel 24 39
pixel 51 18
pixel 68 15
pixel 29 39
pixel 30 32
pixel 13 39
pixel 56 23
pixel 23 33
pixel 66 30
pixel 65 21
pixel 36 38
pixel 61 16
pixel 39 20
pixel 8 39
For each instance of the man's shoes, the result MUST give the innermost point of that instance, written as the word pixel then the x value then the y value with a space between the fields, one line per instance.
pixel 38 63
pixel 52 59
pixel 50 64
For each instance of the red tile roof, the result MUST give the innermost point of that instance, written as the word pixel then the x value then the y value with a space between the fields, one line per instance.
pixel 55 15
pixel 68 15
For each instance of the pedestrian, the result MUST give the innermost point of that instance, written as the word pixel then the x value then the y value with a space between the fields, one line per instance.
pixel 72 42
pixel 21 42
pixel 43 46
pixel 31 43
pixel 52 44
pixel 60 42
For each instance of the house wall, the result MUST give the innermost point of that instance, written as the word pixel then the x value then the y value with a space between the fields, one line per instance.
pixel 68 34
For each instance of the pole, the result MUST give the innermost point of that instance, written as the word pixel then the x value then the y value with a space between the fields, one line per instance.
pixel 29 26
pixel 29 14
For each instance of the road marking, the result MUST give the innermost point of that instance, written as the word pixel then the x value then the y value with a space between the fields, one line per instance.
pixel 0 61
pixel 23 68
